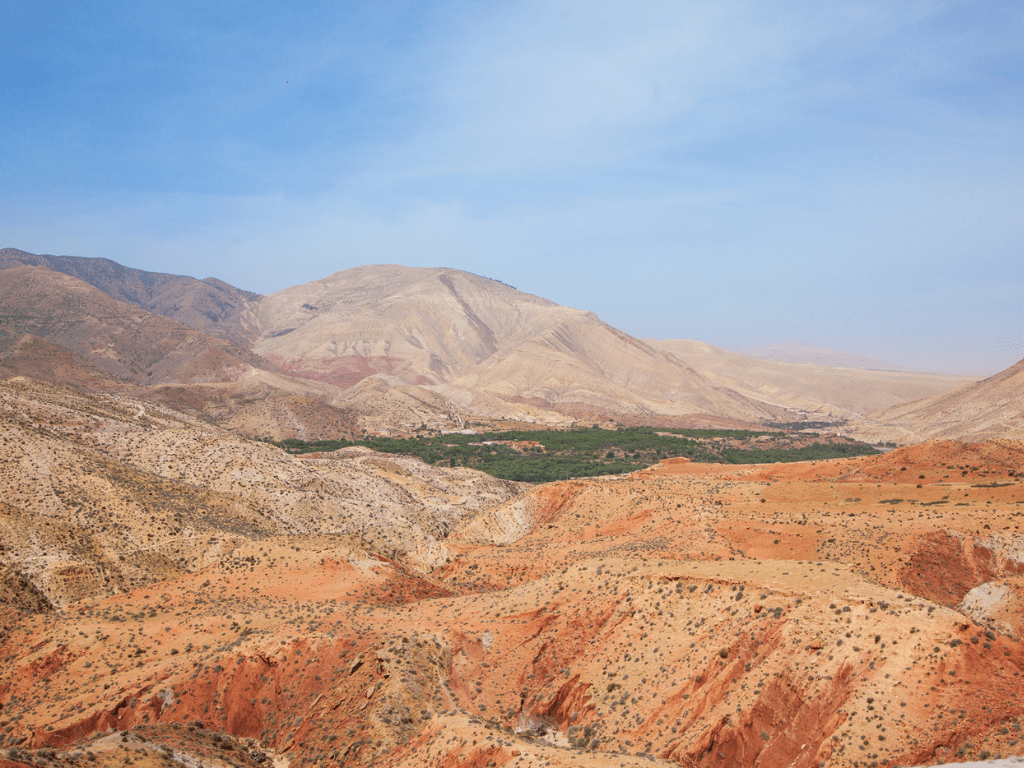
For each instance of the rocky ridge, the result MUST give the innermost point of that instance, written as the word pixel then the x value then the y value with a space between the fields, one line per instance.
pixel 120 339
pixel 208 305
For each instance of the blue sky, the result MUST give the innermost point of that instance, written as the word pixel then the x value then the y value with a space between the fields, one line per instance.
pixel 845 174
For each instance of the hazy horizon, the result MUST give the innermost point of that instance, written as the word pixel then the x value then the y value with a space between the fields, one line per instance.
pixel 846 176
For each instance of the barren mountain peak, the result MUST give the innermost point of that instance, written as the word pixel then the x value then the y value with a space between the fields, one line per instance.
pixel 477 340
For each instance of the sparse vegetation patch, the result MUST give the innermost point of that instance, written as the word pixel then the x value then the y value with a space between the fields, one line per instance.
pixel 545 455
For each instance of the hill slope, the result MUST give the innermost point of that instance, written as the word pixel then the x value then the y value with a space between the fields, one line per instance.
pixel 103 493
pixel 818 391
pixel 122 339
pixel 993 407
pixel 209 305
pixel 472 338
pixel 837 613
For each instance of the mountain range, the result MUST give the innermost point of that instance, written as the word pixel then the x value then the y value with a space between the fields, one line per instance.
pixel 391 348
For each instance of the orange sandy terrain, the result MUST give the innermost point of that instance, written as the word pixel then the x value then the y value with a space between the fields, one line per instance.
pixel 860 612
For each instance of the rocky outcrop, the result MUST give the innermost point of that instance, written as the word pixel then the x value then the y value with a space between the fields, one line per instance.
pixel 998 605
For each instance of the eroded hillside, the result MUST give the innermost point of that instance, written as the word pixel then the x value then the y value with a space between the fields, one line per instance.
pixel 104 493
pixel 121 339
pixel 854 612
